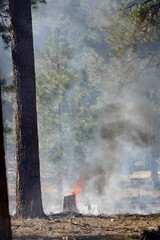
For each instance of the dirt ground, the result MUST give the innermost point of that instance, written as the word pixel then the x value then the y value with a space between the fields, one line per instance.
pixel 101 227
pixel 84 227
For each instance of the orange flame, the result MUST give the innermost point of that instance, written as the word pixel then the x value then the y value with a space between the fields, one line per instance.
pixel 77 188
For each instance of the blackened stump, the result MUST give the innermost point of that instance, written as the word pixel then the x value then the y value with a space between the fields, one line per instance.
pixel 69 204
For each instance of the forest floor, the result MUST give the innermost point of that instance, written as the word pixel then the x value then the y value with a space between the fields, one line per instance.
pixel 84 227
pixel 99 227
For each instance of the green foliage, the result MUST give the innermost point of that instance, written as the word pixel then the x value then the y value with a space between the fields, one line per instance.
pixel 7 87
pixel 35 2
pixel 54 77
pixel 146 17
pixel 86 109
pixel 7 129
pixel 146 12
pixel 67 104
pixel 4 19
pixel 6 90
pixel 4 22
pixel 54 81
pixel 133 28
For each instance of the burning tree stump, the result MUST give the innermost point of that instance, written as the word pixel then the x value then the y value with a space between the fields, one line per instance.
pixel 69 204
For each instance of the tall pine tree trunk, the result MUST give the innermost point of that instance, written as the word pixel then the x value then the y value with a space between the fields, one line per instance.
pixel 28 186
pixel 5 225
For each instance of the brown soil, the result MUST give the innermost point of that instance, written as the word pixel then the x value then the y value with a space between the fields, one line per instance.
pixel 100 227
pixel 84 227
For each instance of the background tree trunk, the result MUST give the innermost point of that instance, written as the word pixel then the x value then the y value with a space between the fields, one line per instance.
pixel 154 140
pixel 5 225
pixel 28 187
pixel 154 154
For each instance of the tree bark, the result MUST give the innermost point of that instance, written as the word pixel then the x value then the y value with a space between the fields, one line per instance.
pixel 28 186
pixel 5 225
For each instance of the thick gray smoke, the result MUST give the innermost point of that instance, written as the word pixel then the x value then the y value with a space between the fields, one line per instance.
pixel 123 124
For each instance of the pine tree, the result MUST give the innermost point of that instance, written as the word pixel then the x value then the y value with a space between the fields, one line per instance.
pixel 28 187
